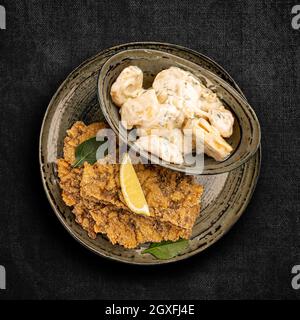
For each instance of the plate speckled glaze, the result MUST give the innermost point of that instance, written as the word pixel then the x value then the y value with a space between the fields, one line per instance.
pixel 225 197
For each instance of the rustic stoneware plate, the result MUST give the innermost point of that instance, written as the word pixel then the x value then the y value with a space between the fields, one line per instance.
pixel 226 195
pixel 246 133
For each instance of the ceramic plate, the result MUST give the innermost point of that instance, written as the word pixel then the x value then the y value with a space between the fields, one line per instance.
pixel 226 195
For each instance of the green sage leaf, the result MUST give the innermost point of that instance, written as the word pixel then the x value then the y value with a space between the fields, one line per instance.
pixel 86 151
pixel 167 249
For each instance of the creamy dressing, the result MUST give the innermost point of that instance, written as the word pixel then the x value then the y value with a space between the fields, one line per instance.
pixel 222 120
pixel 161 147
pixel 128 85
pixel 176 100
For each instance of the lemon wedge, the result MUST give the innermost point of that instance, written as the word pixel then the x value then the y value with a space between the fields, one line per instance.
pixel 131 188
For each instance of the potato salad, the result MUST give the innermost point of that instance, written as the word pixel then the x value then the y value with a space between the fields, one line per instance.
pixel 176 102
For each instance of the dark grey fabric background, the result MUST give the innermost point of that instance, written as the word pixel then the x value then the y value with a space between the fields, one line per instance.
pixel 254 41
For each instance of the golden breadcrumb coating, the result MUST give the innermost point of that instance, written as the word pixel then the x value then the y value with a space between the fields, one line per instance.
pixel 171 196
pixel 95 194
pixel 78 134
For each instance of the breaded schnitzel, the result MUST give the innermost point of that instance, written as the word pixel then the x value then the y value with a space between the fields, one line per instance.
pixel 171 196
pixel 95 194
